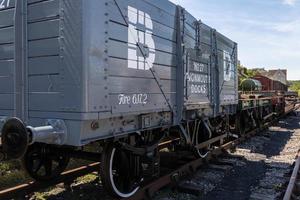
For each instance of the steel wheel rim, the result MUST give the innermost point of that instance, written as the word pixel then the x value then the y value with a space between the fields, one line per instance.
pixel 207 149
pixel 43 167
pixel 112 180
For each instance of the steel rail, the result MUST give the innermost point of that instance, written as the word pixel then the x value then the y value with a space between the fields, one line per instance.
pixel 190 168
pixel 66 177
pixel 292 191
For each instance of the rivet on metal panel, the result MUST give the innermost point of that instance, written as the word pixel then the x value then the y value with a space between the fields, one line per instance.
pixel 175 177
pixel 95 125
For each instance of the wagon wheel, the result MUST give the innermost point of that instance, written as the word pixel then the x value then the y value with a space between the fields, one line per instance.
pixel 120 172
pixel 241 122
pixel 42 164
pixel 259 122
pixel 203 135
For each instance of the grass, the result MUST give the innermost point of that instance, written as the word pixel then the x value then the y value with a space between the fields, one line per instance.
pixel 12 179
pixel 63 193
pixel 6 167
pixel 86 179
pixel 11 175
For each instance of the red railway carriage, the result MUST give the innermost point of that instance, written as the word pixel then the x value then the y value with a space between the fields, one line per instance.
pixel 270 85
pixel 265 82
pixel 279 86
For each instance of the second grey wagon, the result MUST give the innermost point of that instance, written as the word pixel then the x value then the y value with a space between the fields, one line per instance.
pixel 127 74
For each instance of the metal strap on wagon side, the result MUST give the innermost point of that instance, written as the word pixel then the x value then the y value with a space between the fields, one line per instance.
pixel 20 65
pixel 177 114
pixel 155 75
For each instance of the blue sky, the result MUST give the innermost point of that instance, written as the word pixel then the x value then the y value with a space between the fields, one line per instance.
pixel 267 31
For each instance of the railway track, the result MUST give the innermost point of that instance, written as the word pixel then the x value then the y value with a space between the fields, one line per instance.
pixel 186 170
pixel 66 177
pixel 171 176
pixel 258 169
pixel 293 189
pixel 148 191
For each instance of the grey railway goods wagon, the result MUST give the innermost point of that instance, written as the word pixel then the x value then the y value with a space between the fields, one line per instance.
pixel 95 69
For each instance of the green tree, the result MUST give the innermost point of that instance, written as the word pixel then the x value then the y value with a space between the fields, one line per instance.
pixel 251 73
pixel 295 86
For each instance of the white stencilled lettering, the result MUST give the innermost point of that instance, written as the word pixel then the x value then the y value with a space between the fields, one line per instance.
pixel 4 4
pixel 228 66
pixel 198 79
pixel 141 46
pixel 133 99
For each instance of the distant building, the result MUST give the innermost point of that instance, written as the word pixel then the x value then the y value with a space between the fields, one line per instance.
pixel 278 75
pixel 259 70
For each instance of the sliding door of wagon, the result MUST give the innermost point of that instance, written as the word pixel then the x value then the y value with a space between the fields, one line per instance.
pixel 7 11
pixel 142 55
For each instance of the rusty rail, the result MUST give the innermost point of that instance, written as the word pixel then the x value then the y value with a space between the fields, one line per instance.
pixel 293 190
pixel 66 177
pixel 187 169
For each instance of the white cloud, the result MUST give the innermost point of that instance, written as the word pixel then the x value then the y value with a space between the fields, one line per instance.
pixel 266 38
pixel 292 26
pixel 289 2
